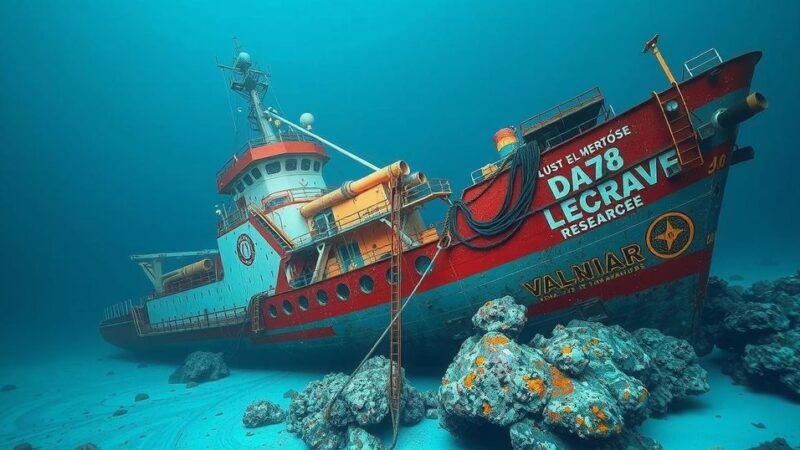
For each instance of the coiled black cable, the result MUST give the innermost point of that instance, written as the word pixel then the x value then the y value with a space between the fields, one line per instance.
pixel 510 216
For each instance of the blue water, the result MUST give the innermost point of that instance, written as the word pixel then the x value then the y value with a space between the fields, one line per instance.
pixel 114 120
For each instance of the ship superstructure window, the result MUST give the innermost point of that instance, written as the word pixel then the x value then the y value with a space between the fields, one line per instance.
pixel 322 297
pixel 302 302
pixel 305 164
pixel 256 173
pixel 272 168
pixel 324 222
pixel 291 164
pixel 366 283
pixel 273 311
pixel 287 307
pixel 248 180
pixel 316 166
pixel 342 291
pixel 239 187
pixel 422 263
pixel 391 276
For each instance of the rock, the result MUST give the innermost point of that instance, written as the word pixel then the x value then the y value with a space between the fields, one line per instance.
pixel 8 387
pixel 291 393
pixel 775 444
pixel 432 413
pixel 120 412
pixel 200 367
pixel 249 433
pixel 758 425
pixel 527 435
pixel 87 446
pixel 431 399
pixel 23 446
pixel 363 402
pixel 109 373
pixel 674 372
pixel 359 439
pixel 192 384
pixel 140 397
pixel 261 413
pixel 502 315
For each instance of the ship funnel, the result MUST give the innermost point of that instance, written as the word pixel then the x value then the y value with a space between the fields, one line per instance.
pixel 350 189
pixel 745 109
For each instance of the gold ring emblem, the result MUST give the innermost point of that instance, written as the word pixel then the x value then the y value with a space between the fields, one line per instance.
pixel 670 235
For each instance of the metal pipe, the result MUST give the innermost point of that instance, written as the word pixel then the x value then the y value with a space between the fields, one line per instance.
pixel 350 189
pixel 324 141
pixel 204 265
pixel 745 109
pixel 414 179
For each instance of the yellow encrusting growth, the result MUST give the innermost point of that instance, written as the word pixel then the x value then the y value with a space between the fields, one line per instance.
pixel 496 340
pixel 562 385
pixel 480 360
pixel 534 385
pixel 566 350
pixel 469 380
pixel 487 408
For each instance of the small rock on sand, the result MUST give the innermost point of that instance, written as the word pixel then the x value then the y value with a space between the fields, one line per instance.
pixel 23 446
pixel 141 396
pixel 8 387
pixel 192 384
pixel 759 425
pixel 120 412
pixel 109 373
pixel 87 446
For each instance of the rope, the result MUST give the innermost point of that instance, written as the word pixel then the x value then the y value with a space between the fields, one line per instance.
pixel 443 243
pixel 509 217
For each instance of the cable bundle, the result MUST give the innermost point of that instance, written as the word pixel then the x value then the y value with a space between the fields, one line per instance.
pixel 509 218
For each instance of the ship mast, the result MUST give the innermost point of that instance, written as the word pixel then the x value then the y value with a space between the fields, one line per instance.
pixel 252 84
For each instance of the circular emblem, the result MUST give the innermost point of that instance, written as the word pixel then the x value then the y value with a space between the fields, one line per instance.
pixel 670 235
pixel 245 249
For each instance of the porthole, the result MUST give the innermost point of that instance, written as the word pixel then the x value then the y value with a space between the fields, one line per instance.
pixel 287 307
pixel 302 302
pixel 422 263
pixel 366 284
pixel 391 276
pixel 342 291
pixel 322 297
pixel 273 311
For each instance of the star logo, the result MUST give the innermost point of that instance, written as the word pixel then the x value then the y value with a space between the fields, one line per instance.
pixel 670 235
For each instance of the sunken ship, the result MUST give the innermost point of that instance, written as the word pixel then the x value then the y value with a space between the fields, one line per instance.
pixel 585 213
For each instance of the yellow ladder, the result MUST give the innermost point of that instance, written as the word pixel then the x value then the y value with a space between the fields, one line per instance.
pixel 684 137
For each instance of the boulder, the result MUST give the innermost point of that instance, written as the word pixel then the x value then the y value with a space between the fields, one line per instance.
pixel 359 439
pixel 261 413
pixel 200 367
pixel 502 315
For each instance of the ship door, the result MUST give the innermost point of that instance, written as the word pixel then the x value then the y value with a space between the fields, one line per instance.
pixel 350 256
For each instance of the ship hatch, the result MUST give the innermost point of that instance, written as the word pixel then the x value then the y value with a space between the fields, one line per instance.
pixel 566 120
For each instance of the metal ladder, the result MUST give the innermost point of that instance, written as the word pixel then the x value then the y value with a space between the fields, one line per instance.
pixel 396 332
pixel 684 137
pixel 272 229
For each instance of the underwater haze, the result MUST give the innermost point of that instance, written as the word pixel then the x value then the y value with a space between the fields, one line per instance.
pixel 114 121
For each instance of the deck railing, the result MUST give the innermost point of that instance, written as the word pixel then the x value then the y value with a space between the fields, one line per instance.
pixel 211 319
pixel 560 110
pixel 288 136
pixel 700 63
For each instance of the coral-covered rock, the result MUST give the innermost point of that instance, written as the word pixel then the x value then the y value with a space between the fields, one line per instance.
pixel 502 315
pixel 495 379
pixel 527 435
pixel 199 367
pixel 359 439
pixel 262 412
pixel 674 371
pixel 362 402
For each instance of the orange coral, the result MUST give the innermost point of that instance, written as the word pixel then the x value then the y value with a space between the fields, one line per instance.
pixel 602 428
pixel 594 341
pixel 495 340
pixel 618 428
pixel 626 395
pixel 553 416
pixel 469 380
pixel 480 360
pixel 539 364
pixel 562 385
pixel 579 420
pixel 566 410
pixel 566 350
pixel 487 408
pixel 534 384
pixel 598 412
pixel 445 381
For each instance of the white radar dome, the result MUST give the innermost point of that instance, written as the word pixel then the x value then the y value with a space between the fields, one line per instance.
pixel 307 119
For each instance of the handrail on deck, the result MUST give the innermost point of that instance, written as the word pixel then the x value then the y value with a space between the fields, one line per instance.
pixel 561 109
pixel 709 58
pixel 284 136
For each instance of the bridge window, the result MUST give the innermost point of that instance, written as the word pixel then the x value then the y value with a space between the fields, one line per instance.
pixel 366 284
pixel 302 302
pixel 287 307
pixel 256 173
pixel 316 166
pixel 291 164
pixel 272 168
pixel 322 297
pixel 305 164
pixel 273 311
pixel 422 263
pixel 239 187
pixel 248 180
pixel 342 291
